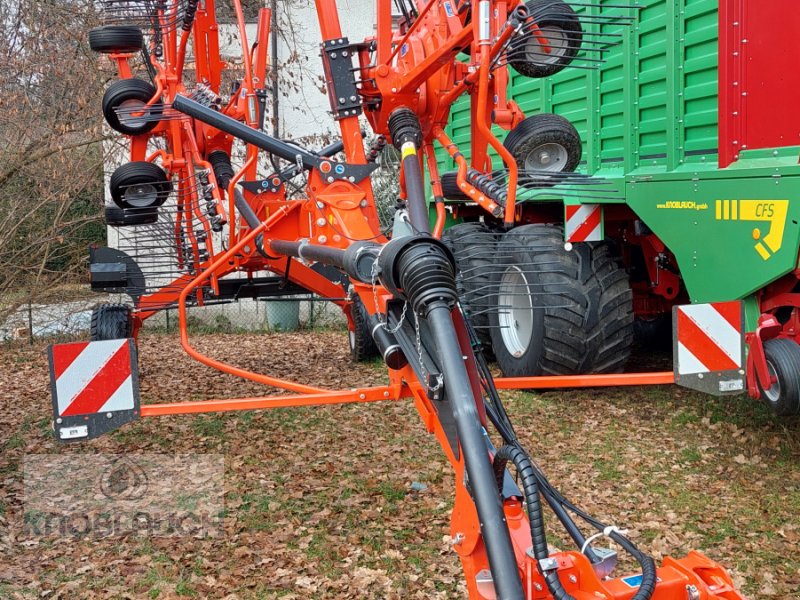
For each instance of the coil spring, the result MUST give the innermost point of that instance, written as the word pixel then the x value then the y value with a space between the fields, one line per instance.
pixel 204 95
pixel 376 148
pixel 188 15
pixel 487 185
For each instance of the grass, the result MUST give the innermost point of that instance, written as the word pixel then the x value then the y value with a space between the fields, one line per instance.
pixel 322 493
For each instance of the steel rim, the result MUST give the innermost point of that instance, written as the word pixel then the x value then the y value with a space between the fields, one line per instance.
pixel 128 113
pixel 773 394
pixel 558 42
pixel 141 195
pixel 549 157
pixel 515 311
pixel 351 338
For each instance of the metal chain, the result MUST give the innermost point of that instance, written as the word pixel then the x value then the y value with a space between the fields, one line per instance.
pixel 374 283
pixel 423 370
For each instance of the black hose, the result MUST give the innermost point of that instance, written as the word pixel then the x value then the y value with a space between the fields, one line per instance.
pixel 530 487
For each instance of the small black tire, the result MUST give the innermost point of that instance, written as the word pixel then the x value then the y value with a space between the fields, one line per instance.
pixel 783 362
pixel 559 312
pixel 123 99
pixel 121 217
pixel 544 143
pixel 450 189
pixel 474 245
pixel 560 26
pixel 138 185
pixel 111 322
pixel 116 39
pixel 362 346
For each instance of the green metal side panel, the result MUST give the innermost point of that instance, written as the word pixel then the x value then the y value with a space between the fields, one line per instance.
pixel 648 121
pixel 730 236
pixel 651 104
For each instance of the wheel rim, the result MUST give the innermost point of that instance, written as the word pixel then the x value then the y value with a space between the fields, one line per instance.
pixel 558 42
pixel 132 113
pixel 550 157
pixel 351 338
pixel 141 195
pixel 515 311
pixel 773 394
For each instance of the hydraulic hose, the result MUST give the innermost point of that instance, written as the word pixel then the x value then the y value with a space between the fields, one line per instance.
pixel 421 269
pixel 530 487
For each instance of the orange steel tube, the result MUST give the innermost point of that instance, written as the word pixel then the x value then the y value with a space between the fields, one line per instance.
pixel 486 132
pixel 472 193
pixel 581 381
pixel 436 186
pixel 374 394
pixel 220 366
pixel 411 29
pixel 233 223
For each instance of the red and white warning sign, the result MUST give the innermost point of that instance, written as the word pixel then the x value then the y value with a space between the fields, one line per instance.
pixel 583 223
pixel 91 379
pixel 709 339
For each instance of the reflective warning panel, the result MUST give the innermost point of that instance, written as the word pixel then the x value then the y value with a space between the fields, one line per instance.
pixel 94 386
pixel 708 347
pixel 583 223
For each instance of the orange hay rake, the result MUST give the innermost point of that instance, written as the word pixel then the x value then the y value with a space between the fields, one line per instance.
pixel 209 220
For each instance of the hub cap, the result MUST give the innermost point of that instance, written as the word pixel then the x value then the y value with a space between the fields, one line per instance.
pixel 141 195
pixel 557 43
pixel 549 157
pixel 132 113
pixel 515 311
pixel 773 394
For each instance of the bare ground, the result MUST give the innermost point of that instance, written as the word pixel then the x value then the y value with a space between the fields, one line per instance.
pixel 319 501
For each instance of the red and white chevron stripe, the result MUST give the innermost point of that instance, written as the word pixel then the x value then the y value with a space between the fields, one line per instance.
pixel 92 377
pixel 709 337
pixel 583 223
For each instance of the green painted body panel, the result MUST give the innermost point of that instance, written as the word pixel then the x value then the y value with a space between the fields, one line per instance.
pixel 648 121
pixel 713 226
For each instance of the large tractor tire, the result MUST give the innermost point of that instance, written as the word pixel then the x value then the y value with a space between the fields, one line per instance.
pixel 474 246
pixel 783 363
pixel 362 346
pixel 111 322
pixel 559 311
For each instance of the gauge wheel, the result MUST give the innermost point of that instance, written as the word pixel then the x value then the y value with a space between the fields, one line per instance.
pixel 561 37
pixel 125 106
pixel 116 39
pixel 362 346
pixel 111 322
pixel 783 363
pixel 542 144
pixel 138 185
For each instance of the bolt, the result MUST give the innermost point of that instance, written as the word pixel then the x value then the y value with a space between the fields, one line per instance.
pixel 459 537
pixel 364 203
pixel 538 587
pixel 320 204
pixel 109 415
pixel 320 222
pixel 573 579
pixel 341 100
pixel 385 394
pixel 59 420
pixel 322 239
pixel 333 54
pixel 362 396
